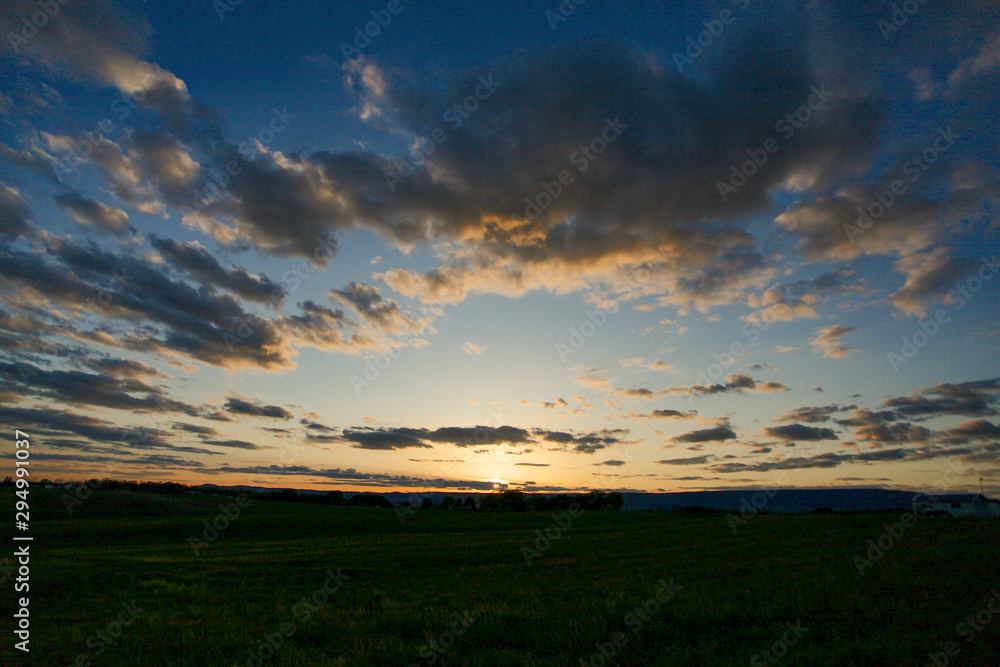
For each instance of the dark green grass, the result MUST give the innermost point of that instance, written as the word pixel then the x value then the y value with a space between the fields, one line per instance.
pixel 406 581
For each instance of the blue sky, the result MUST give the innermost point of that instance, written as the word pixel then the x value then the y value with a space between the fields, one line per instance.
pixel 241 244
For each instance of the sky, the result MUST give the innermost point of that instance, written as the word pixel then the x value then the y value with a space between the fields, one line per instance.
pixel 414 246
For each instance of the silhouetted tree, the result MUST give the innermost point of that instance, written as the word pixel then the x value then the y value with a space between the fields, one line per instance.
pixel 615 501
pixel 448 503
pixel 470 503
pixel 515 501
pixel 490 502
pixel 426 503
pixel 335 497
pixel 368 500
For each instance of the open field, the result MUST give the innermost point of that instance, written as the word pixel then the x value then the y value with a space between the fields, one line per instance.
pixel 402 584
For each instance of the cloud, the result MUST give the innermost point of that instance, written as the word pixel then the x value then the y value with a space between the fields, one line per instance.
pixel 471 348
pixel 974 399
pixel 241 406
pixel 15 215
pixel 794 301
pixel 987 61
pixel 714 434
pixel 672 414
pixel 234 444
pixel 90 213
pixel 931 277
pixel 196 261
pixel 800 432
pixel 94 389
pixel 827 341
pixel 585 443
pixel 126 368
pixel 735 382
pixel 978 429
pixel 592 379
pixel 693 460
pixel 383 438
pixel 369 304
pixel 810 414
pixel 97 41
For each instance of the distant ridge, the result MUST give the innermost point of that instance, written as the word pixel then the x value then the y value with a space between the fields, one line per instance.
pixel 767 499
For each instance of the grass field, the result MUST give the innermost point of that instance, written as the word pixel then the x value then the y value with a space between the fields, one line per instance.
pixel 401 586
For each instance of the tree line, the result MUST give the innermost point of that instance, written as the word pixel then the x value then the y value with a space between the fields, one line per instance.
pixel 503 501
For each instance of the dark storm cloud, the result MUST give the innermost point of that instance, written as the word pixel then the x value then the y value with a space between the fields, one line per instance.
pixel 800 432
pixel 239 406
pixel 194 259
